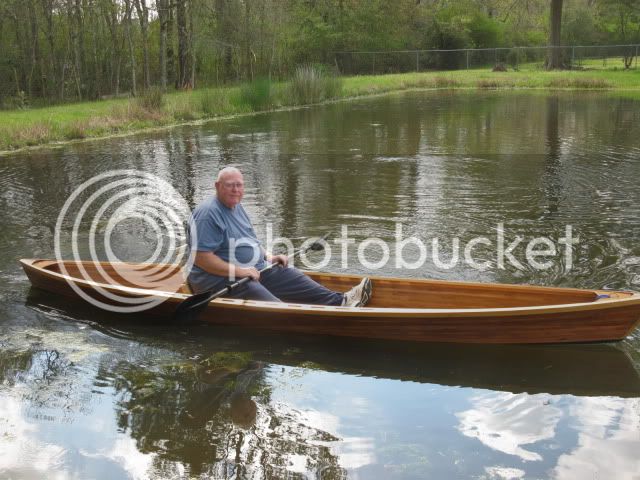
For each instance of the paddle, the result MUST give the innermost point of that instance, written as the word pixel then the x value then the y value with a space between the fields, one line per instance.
pixel 192 306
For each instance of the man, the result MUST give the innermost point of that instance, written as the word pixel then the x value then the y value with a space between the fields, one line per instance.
pixel 227 247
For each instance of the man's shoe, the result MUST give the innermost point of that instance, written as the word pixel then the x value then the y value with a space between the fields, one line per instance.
pixel 359 295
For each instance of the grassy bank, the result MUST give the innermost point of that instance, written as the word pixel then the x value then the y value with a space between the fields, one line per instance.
pixel 23 128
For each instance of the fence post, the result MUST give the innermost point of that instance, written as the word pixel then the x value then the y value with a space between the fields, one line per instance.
pixel 417 61
pixel 373 68
pixel 468 60
pixel 636 56
pixel 573 56
pixel 495 56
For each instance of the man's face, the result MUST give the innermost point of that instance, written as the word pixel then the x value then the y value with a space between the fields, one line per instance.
pixel 230 189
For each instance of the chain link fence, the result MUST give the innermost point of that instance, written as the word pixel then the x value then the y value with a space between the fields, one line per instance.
pixel 516 58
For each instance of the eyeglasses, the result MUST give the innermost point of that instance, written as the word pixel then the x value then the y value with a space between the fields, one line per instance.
pixel 230 185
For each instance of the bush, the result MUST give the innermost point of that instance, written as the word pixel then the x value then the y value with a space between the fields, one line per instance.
pixel 74 131
pixel 256 94
pixel 151 100
pixel 184 111
pixel 313 84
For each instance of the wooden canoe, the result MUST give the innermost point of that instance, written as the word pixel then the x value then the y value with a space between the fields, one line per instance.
pixel 401 309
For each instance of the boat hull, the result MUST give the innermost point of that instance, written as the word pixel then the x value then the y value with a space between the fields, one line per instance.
pixel 590 319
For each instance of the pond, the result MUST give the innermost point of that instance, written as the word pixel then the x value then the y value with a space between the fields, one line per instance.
pixel 93 394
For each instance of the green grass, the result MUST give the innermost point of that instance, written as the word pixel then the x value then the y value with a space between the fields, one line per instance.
pixel 41 126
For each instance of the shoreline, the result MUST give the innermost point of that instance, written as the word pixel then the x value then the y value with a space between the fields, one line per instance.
pixel 106 126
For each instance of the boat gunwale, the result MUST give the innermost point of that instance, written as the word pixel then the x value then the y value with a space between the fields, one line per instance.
pixel 632 298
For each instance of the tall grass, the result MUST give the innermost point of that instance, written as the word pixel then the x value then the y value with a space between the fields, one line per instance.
pixel 494 83
pixel 214 102
pixel 256 94
pixel 312 84
pixel 151 99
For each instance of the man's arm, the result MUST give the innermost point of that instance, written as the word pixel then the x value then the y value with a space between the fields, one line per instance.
pixel 211 263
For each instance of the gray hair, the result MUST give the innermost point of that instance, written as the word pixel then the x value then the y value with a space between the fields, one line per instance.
pixel 226 171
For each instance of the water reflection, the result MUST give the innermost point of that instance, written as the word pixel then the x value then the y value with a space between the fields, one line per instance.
pixel 508 422
pixel 608 439
pixel 581 370
pixel 213 417
pixel 526 426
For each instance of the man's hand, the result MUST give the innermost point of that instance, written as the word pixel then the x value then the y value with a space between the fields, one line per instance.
pixel 281 259
pixel 247 272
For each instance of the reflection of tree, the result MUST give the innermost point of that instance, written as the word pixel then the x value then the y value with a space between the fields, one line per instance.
pixel 13 363
pixel 551 177
pixel 41 366
pixel 214 418
pixel 48 376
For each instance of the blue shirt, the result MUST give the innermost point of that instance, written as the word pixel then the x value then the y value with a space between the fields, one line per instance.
pixel 228 233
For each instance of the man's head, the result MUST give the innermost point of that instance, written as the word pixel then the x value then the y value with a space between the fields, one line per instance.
pixel 230 186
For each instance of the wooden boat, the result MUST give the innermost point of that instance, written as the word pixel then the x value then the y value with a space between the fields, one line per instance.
pixel 401 309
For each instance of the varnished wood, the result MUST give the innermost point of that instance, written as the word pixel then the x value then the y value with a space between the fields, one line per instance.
pixel 401 309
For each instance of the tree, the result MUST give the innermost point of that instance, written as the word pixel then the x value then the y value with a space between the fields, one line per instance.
pixel 132 56
pixel 182 80
pixel 163 19
pixel 621 20
pixel 554 58
pixel 143 16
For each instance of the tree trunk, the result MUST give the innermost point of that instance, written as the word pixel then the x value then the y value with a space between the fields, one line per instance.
pixel 75 23
pixel 143 17
pixel 171 61
pixel 19 73
pixel 132 56
pixel 47 9
pixel 62 78
pixel 35 50
pixel 97 87
pixel 554 58
pixel 247 42
pixel 118 76
pixel 225 32
pixel 110 12
pixel 192 47
pixel 78 46
pixel 183 44
pixel 163 17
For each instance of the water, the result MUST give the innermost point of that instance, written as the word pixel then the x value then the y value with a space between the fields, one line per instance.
pixel 90 394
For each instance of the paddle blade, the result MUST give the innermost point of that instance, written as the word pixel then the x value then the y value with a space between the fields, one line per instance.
pixel 319 243
pixel 189 309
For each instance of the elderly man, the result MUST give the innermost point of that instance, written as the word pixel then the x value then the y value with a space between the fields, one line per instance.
pixel 227 247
